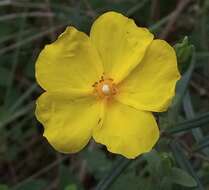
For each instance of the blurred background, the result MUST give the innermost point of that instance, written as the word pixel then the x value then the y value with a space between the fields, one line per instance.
pixel 180 159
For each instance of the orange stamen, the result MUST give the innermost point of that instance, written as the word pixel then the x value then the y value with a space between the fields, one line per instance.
pixel 105 88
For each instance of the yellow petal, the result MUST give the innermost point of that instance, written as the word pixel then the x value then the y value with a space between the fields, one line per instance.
pixel 120 43
pixel 71 62
pixel 151 86
pixel 67 122
pixel 126 130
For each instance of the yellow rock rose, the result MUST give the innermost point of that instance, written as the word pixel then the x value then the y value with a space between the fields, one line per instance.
pixel 105 86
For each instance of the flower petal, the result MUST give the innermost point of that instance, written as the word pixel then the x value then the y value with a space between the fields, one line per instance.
pixel 120 43
pixel 151 86
pixel 126 130
pixel 71 62
pixel 68 122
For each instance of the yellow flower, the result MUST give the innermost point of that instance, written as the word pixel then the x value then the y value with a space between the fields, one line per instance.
pixel 105 86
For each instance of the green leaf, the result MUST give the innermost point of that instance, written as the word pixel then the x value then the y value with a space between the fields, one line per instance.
pixel 182 85
pixel 67 179
pixel 97 162
pixel 114 173
pixel 183 52
pixel 184 163
pixel 127 180
pixel 154 163
pixel 189 112
pixel 32 185
pixel 4 187
pixel 181 89
pixel 71 187
pixel 165 184
pixel 199 121
pixel 179 176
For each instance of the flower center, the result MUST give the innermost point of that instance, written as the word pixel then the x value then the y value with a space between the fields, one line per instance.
pixel 105 88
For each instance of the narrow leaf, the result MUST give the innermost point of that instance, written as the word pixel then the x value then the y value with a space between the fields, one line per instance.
pixel 181 177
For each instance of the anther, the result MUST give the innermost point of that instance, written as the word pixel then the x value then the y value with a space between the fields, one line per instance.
pixel 94 84
pixel 105 88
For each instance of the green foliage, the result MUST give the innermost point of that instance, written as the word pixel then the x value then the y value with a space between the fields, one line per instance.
pixel 181 177
pixel 32 185
pixel 71 187
pixel 4 187
pixel 67 179
pixel 97 163
pixel 183 51
pixel 158 172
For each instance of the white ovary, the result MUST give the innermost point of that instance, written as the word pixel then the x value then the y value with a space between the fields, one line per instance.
pixel 106 89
